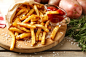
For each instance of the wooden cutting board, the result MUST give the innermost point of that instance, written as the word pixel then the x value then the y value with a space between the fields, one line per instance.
pixel 25 46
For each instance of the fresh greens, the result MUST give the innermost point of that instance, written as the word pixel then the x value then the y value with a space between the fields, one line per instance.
pixel 77 30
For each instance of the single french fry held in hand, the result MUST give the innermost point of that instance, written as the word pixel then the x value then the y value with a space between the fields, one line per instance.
pixel 33 37
pixel 52 36
pixel 23 35
pixel 27 25
pixel 13 40
pixel 14 29
pixel 43 38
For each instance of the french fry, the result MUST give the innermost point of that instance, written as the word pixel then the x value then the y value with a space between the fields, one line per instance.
pixel 23 35
pixel 31 12
pixel 33 37
pixel 40 36
pixel 52 12
pixel 37 34
pixel 21 11
pixel 28 19
pixel 44 18
pixel 41 26
pixel 43 38
pixel 36 10
pixel 35 18
pixel 24 29
pixel 15 29
pixel 26 25
pixel 13 40
pixel 16 33
pixel 54 32
pixel 28 14
pixel 23 14
pixel 47 24
pixel 15 22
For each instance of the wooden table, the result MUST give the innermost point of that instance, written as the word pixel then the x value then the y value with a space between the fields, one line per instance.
pixel 67 48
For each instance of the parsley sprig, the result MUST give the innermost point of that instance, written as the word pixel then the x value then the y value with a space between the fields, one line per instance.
pixel 77 30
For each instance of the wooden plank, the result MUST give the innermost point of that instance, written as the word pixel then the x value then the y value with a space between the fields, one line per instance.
pixel 45 54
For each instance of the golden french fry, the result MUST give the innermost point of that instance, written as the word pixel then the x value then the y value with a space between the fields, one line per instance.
pixel 16 33
pixel 36 10
pixel 28 14
pixel 37 34
pixel 15 29
pixel 28 19
pixel 23 35
pixel 52 36
pixel 31 12
pixel 43 38
pixel 13 40
pixel 40 36
pixel 24 29
pixel 44 18
pixel 27 25
pixel 41 26
pixel 33 36
pixel 15 22
pixel 47 24
pixel 23 14
pixel 52 12
pixel 41 14
pixel 21 11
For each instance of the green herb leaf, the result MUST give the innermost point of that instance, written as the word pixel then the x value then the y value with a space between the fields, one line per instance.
pixel 77 30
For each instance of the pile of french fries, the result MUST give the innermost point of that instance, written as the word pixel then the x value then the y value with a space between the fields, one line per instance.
pixel 31 21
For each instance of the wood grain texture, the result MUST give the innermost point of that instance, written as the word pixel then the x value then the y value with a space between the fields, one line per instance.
pixel 45 54
pixel 25 47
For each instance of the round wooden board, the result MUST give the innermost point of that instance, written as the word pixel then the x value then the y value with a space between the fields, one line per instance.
pixel 25 46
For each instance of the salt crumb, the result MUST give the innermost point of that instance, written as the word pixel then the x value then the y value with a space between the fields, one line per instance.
pixel 40 56
pixel 2 33
pixel 35 53
pixel 57 53
pixel 59 25
pixel 61 32
pixel 25 44
pixel 77 45
pixel 8 36
pixel 74 43
pixel 71 42
pixel 10 54
pixel 61 44
pixel 64 51
pixel 53 52
pixel 31 45
pixel 30 55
